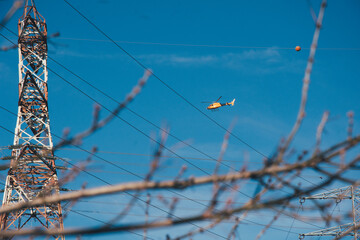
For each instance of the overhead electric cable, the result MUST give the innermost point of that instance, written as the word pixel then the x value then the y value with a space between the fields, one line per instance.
pixel 140 198
pixel 292 224
pixel 203 45
pixel 164 83
pixel 116 101
pixel 195 107
pixel 276 227
pixel 77 88
pixel 131 125
pixel 137 129
pixel 134 128
pixel 143 66
pixel 166 156
pixel 138 115
pixel 132 195
pixel 98 220
pixel 252 214
pixel 122 119
pixel 140 132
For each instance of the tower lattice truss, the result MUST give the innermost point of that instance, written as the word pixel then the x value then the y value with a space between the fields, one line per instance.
pixel 349 229
pixel 32 171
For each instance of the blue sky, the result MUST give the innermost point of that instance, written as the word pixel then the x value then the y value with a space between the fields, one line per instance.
pixel 203 50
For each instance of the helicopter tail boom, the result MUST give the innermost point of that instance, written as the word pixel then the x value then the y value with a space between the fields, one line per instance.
pixel 232 102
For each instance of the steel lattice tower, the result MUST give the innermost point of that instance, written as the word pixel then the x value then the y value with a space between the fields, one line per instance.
pixel 32 171
pixel 349 192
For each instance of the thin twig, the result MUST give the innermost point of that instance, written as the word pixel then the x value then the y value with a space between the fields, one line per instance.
pixel 16 6
pixel 96 125
pixel 181 184
pixel 319 131
pixel 306 82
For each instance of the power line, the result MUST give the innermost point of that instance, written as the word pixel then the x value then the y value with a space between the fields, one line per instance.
pixel 202 45
pixel 292 224
pixel 138 130
pixel 154 206
pixel 163 176
pixel 133 112
pixel 164 83
pixel 79 212
pixel 122 119
pixel 102 92
pixel 138 115
pixel 163 156
pixel 164 217
pixel 177 93
pixel 131 125
pixel 257 214
pixel 140 198
pixel 169 87
pixel 145 135
pixel 83 170
pixel 140 177
pixel 132 195
pixel 154 140
pixel 136 127
pixel 166 156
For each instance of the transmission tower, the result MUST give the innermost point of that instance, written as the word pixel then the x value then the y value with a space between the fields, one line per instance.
pixel 349 192
pixel 32 171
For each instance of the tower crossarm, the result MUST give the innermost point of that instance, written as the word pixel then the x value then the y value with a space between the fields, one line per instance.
pixel 333 231
pixel 339 194
pixel 349 192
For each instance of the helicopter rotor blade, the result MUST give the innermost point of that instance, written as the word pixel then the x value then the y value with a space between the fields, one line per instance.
pixel 218 98
pixel 206 102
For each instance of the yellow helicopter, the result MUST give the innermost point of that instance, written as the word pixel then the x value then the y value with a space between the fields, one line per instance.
pixel 215 105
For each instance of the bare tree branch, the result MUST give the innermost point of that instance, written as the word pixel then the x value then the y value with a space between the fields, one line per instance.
pixel 96 124
pixel 16 6
pixel 181 184
pixel 306 81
